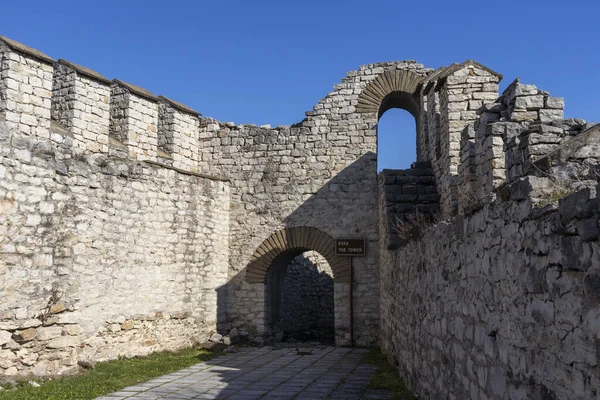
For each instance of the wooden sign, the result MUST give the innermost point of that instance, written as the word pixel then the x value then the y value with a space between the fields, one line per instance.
pixel 350 247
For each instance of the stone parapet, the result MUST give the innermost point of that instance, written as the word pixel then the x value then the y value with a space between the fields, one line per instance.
pixel 134 119
pixel 103 116
pixel 81 103
pixel 178 133
pixel 25 88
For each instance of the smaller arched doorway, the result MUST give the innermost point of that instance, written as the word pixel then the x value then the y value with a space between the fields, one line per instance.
pixel 272 259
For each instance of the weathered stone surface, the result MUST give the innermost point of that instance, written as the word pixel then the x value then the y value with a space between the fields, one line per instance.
pixel 9 325
pixel 50 332
pixel 469 287
pixel 62 342
pixel 578 205
pixel 57 308
pixel 213 346
pixel 72 330
pixel 216 338
pixel 25 335
pixel 5 336
pixel 30 323
pixel 127 325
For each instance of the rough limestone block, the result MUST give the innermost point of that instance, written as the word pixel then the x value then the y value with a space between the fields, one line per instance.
pixel 555 103
pixel 579 205
pixel 551 115
pixel 529 102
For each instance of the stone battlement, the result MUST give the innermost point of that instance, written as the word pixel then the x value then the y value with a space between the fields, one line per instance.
pixel 475 139
pixel 37 90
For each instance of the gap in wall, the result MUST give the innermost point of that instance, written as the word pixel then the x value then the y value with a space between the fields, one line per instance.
pixel 396 140
pixel 307 300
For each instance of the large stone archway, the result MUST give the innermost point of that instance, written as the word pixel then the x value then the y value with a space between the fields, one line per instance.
pixel 268 265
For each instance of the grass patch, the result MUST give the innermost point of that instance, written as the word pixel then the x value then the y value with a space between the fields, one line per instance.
pixel 108 377
pixel 386 377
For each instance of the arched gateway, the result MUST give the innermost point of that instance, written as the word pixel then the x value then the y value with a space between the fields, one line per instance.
pixel 268 265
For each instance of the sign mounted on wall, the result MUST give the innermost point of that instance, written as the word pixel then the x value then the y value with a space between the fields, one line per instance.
pixel 350 247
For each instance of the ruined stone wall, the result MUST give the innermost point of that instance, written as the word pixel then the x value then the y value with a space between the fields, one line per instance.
pixel 407 198
pixel 504 303
pixel 501 301
pixel 120 235
pixel 319 173
pixel 103 257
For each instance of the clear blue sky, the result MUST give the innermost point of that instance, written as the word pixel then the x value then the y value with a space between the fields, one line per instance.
pixel 267 62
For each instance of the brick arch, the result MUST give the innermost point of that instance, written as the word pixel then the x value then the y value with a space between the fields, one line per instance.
pixel 391 89
pixel 296 240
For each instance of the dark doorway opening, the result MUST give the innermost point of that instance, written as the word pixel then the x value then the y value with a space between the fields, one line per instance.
pixel 300 298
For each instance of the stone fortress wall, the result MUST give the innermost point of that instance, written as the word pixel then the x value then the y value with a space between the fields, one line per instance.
pixel 174 218
pixel 103 251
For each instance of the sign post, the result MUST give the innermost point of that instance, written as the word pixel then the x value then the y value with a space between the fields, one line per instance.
pixel 350 247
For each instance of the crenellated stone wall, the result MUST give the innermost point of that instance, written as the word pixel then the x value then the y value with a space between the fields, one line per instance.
pixel 130 223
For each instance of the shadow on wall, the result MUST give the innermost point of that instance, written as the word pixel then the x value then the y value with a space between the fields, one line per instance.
pixel 346 206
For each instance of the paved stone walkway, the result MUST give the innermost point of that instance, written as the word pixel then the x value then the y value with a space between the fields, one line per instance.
pixel 266 373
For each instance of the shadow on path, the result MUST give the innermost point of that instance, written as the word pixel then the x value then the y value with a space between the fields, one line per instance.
pixel 266 373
